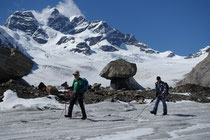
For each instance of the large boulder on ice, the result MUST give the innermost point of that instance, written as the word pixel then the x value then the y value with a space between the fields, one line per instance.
pixel 125 83
pixel 200 74
pixel 121 73
pixel 118 69
pixel 13 64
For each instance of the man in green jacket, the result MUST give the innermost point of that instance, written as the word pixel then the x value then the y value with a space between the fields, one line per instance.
pixel 77 94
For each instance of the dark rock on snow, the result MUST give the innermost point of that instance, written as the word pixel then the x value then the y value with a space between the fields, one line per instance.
pixel 171 55
pixel 13 64
pixel 197 93
pixel 118 69
pixel 199 53
pixel 108 48
pixel 125 83
pixel 93 40
pixel 82 48
pixel 115 38
pixel 26 22
pixel 121 74
pixel 40 36
pixel 21 89
pixel 64 39
pixel 59 22
pixel 97 93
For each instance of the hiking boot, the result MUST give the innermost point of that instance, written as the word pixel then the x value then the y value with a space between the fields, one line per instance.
pixel 83 118
pixel 152 112
pixel 164 113
pixel 68 116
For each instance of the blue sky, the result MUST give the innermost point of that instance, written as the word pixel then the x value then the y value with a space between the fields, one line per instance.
pixel 182 26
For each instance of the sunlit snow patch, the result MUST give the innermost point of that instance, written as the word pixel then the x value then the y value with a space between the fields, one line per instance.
pixel 11 101
pixel 185 94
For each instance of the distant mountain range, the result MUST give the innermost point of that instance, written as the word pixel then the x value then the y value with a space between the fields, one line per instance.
pixel 77 32
pixel 90 32
pixel 44 37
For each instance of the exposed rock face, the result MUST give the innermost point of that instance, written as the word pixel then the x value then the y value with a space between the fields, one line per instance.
pixel 59 22
pixel 82 48
pixel 147 50
pixel 93 40
pixel 79 22
pixel 115 38
pixel 200 74
pixel 130 40
pixel 121 74
pixel 99 31
pixel 62 23
pixel 13 64
pixel 40 36
pixel 197 93
pixel 100 27
pixel 65 39
pixel 108 48
pixel 199 53
pixel 26 22
pixel 171 55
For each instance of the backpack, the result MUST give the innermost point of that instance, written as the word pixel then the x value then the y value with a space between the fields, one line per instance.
pixel 85 84
pixel 166 87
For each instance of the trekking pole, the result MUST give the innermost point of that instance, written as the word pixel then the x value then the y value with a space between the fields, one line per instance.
pixel 144 109
pixel 65 107
pixel 62 111
pixel 65 101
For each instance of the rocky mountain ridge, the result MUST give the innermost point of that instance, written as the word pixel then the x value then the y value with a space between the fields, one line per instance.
pixel 98 31
pixel 199 53
pixel 58 45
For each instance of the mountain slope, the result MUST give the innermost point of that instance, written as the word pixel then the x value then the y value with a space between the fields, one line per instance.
pixel 199 53
pixel 200 74
pixel 91 33
pixel 60 45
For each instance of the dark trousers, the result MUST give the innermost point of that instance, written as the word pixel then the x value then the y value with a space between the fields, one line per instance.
pixel 73 100
pixel 158 99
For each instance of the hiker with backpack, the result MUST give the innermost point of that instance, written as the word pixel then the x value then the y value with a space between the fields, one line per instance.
pixel 79 87
pixel 161 92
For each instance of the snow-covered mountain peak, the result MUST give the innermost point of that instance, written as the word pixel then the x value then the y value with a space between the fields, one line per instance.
pixel 68 8
pixel 55 12
pixel 203 51
pixel 22 20
pixel 88 33
pixel 60 44
pixel 60 22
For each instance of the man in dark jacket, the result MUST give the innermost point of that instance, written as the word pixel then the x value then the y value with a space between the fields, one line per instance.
pixel 161 93
pixel 77 94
